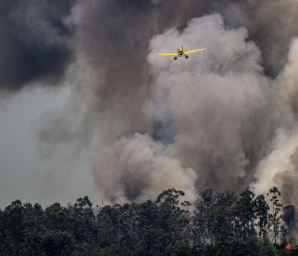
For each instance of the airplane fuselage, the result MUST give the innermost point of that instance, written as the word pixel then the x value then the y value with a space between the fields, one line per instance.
pixel 180 51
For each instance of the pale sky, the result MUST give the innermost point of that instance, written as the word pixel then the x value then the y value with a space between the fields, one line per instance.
pixel 24 174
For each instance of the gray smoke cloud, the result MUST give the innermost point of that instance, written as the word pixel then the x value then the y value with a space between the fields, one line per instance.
pixel 34 42
pixel 270 25
pixel 216 120
pixel 137 167
pixel 280 166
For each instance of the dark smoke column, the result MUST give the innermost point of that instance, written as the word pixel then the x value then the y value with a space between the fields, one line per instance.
pixel 114 35
pixel 34 42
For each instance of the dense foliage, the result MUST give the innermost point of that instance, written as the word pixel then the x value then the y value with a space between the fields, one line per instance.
pixel 219 224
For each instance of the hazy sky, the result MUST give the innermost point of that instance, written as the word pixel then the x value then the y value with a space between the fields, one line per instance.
pixel 24 174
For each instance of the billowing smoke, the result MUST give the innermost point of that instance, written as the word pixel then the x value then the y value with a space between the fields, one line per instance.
pixel 138 167
pixel 220 119
pixel 270 25
pixel 280 167
pixel 217 112
pixel 220 105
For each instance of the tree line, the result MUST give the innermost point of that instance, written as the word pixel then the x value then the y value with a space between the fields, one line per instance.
pixel 220 223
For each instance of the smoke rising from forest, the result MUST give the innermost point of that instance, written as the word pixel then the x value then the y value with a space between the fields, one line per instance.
pixel 221 119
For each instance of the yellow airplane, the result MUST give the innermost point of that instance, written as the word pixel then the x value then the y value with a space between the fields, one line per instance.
pixel 181 52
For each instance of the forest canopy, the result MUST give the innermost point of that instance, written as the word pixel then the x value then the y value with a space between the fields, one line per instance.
pixel 220 223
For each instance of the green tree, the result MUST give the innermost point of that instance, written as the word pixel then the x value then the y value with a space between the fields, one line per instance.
pixel 33 229
pixel 205 217
pixel 275 218
pixel 147 228
pixel 267 248
pixel 215 217
pixel 234 248
pixel 262 209
pixel 57 218
pixel 84 222
pixel 245 214
pixel 254 244
pixel 106 226
pixel 12 228
pixel 168 223
pixel 57 243
pixel 221 225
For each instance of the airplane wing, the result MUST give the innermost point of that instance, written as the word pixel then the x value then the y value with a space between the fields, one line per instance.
pixel 195 50
pixel 167 54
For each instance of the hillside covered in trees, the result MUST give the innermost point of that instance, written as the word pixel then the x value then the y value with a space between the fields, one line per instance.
pixel 219 224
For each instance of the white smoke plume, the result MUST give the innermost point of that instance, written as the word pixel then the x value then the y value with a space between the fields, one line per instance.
pixel 217 110
pixel 280 167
